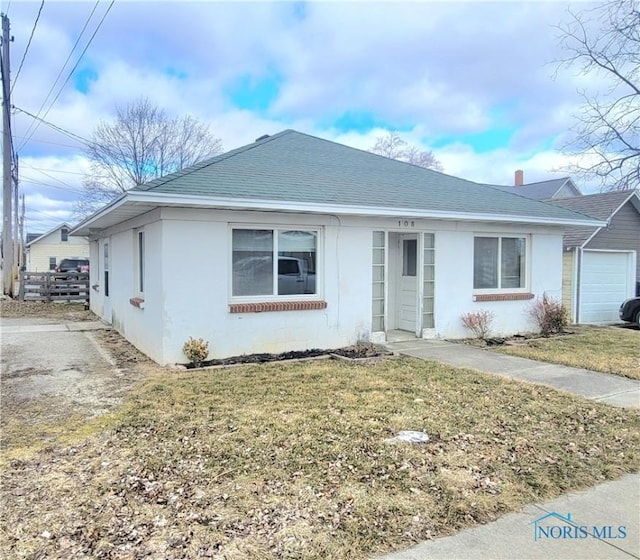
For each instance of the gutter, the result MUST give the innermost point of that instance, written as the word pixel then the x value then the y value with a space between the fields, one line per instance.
pixel 168 199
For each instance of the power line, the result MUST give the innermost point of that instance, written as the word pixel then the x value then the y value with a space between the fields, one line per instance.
pixel 80 58
pixel 67 185
pixel 47 142
pixel 84 27
pixel 51 186
pixel 54 170
pixel 24 55
pixel 68 133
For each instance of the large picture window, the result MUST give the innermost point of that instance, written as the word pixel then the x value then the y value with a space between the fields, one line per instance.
pixel 499 263
pixel 274 262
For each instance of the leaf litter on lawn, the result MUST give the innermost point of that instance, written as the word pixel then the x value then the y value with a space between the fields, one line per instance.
pixel 288 460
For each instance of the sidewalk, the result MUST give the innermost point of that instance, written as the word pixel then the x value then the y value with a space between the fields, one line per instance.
pixel 603 509
pixel 603 387
pixel 79 326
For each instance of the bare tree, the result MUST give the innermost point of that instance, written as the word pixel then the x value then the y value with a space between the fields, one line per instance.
pixel 604 43
pixel 393 146
pixel 141 144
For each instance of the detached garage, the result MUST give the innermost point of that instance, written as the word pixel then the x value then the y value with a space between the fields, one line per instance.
pixel 601 265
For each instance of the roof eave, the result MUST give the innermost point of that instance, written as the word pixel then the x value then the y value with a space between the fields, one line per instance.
pixel 192 201
pixel 83 228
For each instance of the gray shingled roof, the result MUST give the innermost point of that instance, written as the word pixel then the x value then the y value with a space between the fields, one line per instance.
pixel 294 167
pixel 600 206
pixel 542 190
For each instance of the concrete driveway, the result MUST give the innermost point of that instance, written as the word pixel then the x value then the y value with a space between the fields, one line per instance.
pixel 46 360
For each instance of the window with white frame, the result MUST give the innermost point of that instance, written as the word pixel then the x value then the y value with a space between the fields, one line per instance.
pixel 52 263
pixel 140 253
pixel 499 263
pixel 64 234
pixel 274 262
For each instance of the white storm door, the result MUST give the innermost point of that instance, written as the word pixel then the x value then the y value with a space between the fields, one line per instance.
pixel 408 283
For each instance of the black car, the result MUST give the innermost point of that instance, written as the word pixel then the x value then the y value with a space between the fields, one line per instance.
pixel 630 310
pixel 73 265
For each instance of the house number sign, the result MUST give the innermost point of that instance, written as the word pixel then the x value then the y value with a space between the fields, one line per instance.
pixel 407 223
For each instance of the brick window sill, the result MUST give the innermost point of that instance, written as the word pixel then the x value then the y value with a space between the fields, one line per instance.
pixel 503 297
pixel 137 302
pixel 260 307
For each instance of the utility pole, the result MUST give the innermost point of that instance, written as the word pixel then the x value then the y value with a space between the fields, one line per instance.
pixel 23 259
pixel 16 217
pixel 7 225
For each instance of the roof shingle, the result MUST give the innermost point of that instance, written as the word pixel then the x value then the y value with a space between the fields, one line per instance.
pixel 295 167
pixel 601 206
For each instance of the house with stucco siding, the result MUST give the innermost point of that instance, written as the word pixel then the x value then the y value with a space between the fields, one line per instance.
pixel 295 242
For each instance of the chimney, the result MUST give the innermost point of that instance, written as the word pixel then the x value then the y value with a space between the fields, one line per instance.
pixel 519 178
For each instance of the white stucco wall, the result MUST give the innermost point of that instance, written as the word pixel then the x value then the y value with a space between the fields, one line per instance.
pixel 197 291
pixel 187 293
pixel 142 327
pixel 454 281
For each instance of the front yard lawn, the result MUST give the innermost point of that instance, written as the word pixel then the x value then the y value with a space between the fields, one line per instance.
pixel 288 460
pixel 608 349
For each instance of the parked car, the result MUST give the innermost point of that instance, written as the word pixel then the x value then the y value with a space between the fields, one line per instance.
pixel 73 265
pixel 294 278
pixel 630 310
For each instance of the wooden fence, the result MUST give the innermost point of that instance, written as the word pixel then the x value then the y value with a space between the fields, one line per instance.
pixel 54 286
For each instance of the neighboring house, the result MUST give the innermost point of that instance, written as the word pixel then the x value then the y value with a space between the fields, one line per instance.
pixel 46 251
pixel 543 190
pixel 602 265
pixel 295 242
pixel 32 236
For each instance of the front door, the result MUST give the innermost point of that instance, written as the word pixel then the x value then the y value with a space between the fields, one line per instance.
pixel 408 284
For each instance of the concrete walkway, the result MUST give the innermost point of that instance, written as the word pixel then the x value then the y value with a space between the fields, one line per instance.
pixel 596 517
pixel 603 387
pixel 80 326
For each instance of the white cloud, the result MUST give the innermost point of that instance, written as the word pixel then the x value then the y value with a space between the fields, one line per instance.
pixel 440 70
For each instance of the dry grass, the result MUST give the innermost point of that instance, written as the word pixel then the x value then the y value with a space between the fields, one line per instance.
pixel 57 310
pixel 288 461
pixel 607 349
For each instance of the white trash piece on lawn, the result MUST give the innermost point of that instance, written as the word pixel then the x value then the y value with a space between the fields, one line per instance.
pixel 409 436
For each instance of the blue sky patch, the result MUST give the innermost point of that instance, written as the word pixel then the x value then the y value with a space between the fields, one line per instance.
pixel 82 79
pixel 364 121
pixel 254 94
pixel 481 142
pixel 299 10
pixel 175 73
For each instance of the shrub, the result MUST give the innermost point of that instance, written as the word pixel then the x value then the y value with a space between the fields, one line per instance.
pixel 196 350
pixel 549 314
pixel 479 323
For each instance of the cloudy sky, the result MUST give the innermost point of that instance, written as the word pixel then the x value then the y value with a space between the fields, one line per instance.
pixel 473 81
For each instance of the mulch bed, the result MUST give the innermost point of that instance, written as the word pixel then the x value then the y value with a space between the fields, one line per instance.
pixel 357 351
pixel 515 340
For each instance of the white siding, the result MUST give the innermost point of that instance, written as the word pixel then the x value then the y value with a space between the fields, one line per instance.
pixel 38 253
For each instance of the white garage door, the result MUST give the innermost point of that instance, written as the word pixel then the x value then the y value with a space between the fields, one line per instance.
pixel 606 282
